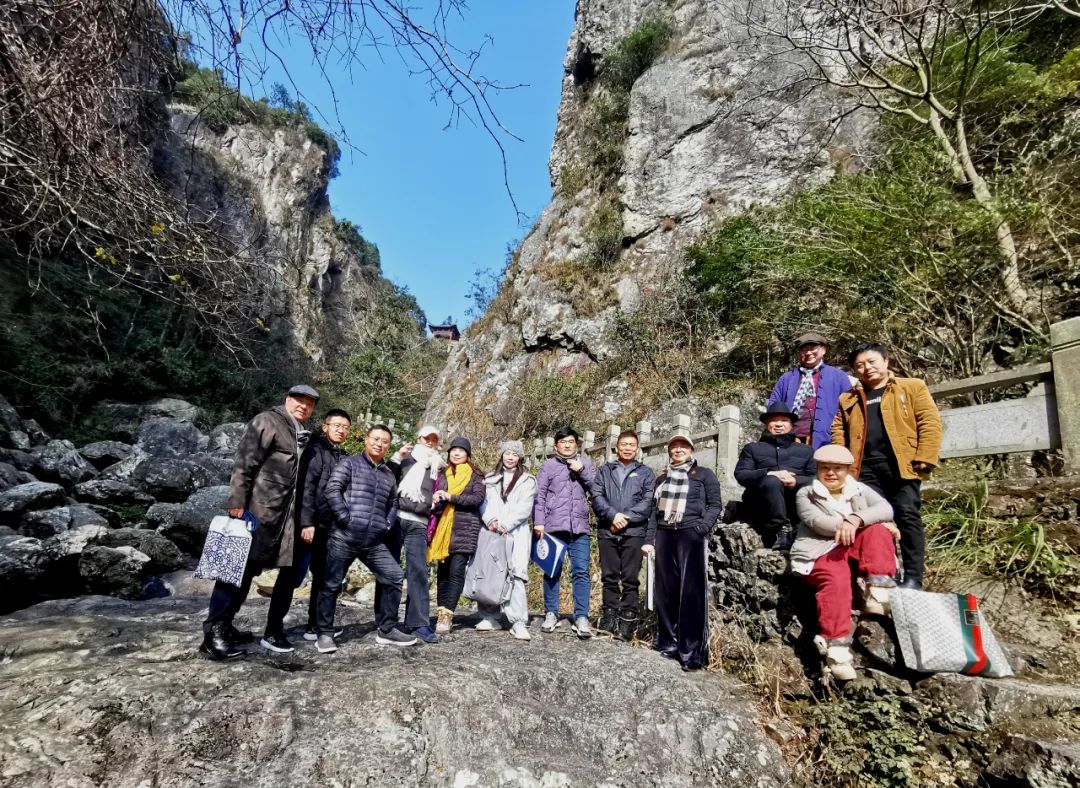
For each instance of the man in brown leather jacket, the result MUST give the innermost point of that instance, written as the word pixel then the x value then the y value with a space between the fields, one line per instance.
pixel 893 428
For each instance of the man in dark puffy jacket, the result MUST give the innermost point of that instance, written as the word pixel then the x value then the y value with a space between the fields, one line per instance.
pixel 317 462
pixel 361 493
pixel 622 497
pixel 263 484
pixel 771 470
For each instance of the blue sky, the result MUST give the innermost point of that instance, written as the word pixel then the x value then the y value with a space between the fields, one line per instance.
pixel 433 199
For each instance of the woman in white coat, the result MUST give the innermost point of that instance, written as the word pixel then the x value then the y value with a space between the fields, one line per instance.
pixel 510 493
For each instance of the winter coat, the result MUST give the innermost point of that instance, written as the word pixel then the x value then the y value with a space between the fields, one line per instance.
pixel 264 483
pixel 832 384
pixel 634 498
pixel 912 424
pixel 818 522
pixel 513 516
pixel 413 510
pixel 775 453
pixel 562 496
pixel 317 463
pixel 467 523
pixel 361 494
pixel 703 504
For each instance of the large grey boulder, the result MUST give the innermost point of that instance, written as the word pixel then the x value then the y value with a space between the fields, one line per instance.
pixel 478 710
pixel 35 432
pixel 172 408
pixel 60 559
pixel 117 571
pixel 192 522
pixel 102 454
pixel 162 514
pixel 164 555
pixel 169 478
pixel 166 437
pixel 11 476
pixel 114 420
pixel 218 468
pixel 111 491
pixel 20 572
pixel 23 460
pixel 9 417
pixel 50 522
pixel 28 497
pixel 59 461
pixel 224 438
pixel 1037 763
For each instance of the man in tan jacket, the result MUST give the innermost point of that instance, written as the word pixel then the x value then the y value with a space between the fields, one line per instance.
pixel 893 428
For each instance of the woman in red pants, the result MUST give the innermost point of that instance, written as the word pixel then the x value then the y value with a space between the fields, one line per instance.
pixel 846 533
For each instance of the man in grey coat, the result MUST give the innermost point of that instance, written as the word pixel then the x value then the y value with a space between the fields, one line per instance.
pixel 264 484
pixel 622 497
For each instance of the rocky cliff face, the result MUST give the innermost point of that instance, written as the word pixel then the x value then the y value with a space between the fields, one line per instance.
pixel 267 188
pixel 710 130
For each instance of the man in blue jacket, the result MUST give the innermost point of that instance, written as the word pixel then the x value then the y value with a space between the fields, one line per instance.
pixel 361 493
pixel 622 497
pixel 812 391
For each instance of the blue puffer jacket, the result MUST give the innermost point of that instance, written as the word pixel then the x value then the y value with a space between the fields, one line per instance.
pixel 361 494
pixel 562 501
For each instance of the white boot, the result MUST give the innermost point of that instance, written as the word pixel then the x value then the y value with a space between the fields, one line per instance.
pixel 877 602
pixel 838 659
pixel 520 631
pixel 485 624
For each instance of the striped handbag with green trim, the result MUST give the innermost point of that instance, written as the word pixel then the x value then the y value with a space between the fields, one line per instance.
pixel 946 633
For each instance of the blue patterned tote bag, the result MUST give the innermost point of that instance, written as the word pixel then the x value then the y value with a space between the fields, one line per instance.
pixel 225 552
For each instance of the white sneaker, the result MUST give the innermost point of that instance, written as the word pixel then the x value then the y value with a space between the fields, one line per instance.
pixel 581 627
pixel 877 602
pixel 485 625
pixel 551 620
pixel 520 631
pixel 838 661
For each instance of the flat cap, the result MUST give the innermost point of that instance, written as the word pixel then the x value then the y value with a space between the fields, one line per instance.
pixel 834 453
pixel 811 339
pixel 426 430
pixel 303 390
pixel 678 436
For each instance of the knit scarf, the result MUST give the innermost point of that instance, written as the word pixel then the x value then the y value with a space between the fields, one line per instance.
pixel 457 479
pixel 806 389
pixel 428 463
pixel 671 494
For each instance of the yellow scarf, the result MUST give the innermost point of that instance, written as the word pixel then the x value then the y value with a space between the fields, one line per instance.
pixel 439 549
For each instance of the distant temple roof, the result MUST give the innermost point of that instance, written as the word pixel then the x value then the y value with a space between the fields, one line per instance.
pixel 447 331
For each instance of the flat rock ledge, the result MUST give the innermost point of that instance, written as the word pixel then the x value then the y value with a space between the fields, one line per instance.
pixel 104 691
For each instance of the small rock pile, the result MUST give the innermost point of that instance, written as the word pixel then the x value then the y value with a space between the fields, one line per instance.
pixel 111 516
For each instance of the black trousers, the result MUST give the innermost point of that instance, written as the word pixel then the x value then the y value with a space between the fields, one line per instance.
pixel 771 503
pixel 905 495
pixel 227 599
pixel 410 537
pixel 682 595
pixel 285 585
pixel 451 579
pixel 620 568
pixel 388 576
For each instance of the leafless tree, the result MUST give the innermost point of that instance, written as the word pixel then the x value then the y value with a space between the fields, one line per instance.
pixel 889 54
pixel 82 88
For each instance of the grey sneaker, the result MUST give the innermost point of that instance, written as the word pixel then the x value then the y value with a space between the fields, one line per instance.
pixel 311 635
pixel 551 620
pixel 581 627
pixel 395 637
pixel 325 644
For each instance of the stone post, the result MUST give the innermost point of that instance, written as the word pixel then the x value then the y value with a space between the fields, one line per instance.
pixel 589 440
pixel 391 424
pixel 549 446
pixel 367 418
pixel 1065 357
pixel 728 433
pixel 406 432
pixel 538 449
pixel 682 425
pixel 644 431
pixel 613 431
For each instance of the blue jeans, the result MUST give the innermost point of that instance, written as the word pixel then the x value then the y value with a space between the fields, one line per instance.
pixel 577 553
pixel 388 576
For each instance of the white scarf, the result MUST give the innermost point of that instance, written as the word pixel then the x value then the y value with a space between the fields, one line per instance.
pixel 843 505
pixel 428 461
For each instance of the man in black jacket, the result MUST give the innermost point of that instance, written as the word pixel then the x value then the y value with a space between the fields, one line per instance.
pixel 771 470
pixel 317 462
pixel 361 493
pixel 263 484
pixel 622 497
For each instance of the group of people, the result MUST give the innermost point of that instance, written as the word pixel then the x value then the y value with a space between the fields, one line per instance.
pixel 834 479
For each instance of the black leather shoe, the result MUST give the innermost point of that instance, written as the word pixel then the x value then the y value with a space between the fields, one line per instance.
pixel 607 621
pixel 239 636
pixel 912 583
pixel 217 646
pixel 627 628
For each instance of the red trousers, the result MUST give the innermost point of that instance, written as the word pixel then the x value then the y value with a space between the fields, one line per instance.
pixel 873 553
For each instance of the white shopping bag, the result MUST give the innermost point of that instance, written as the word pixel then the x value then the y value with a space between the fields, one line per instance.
pixel 946 633
pixel 225 552
pixel 650 580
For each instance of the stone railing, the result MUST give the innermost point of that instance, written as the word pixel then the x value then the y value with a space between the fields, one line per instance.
pixel 1047 418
